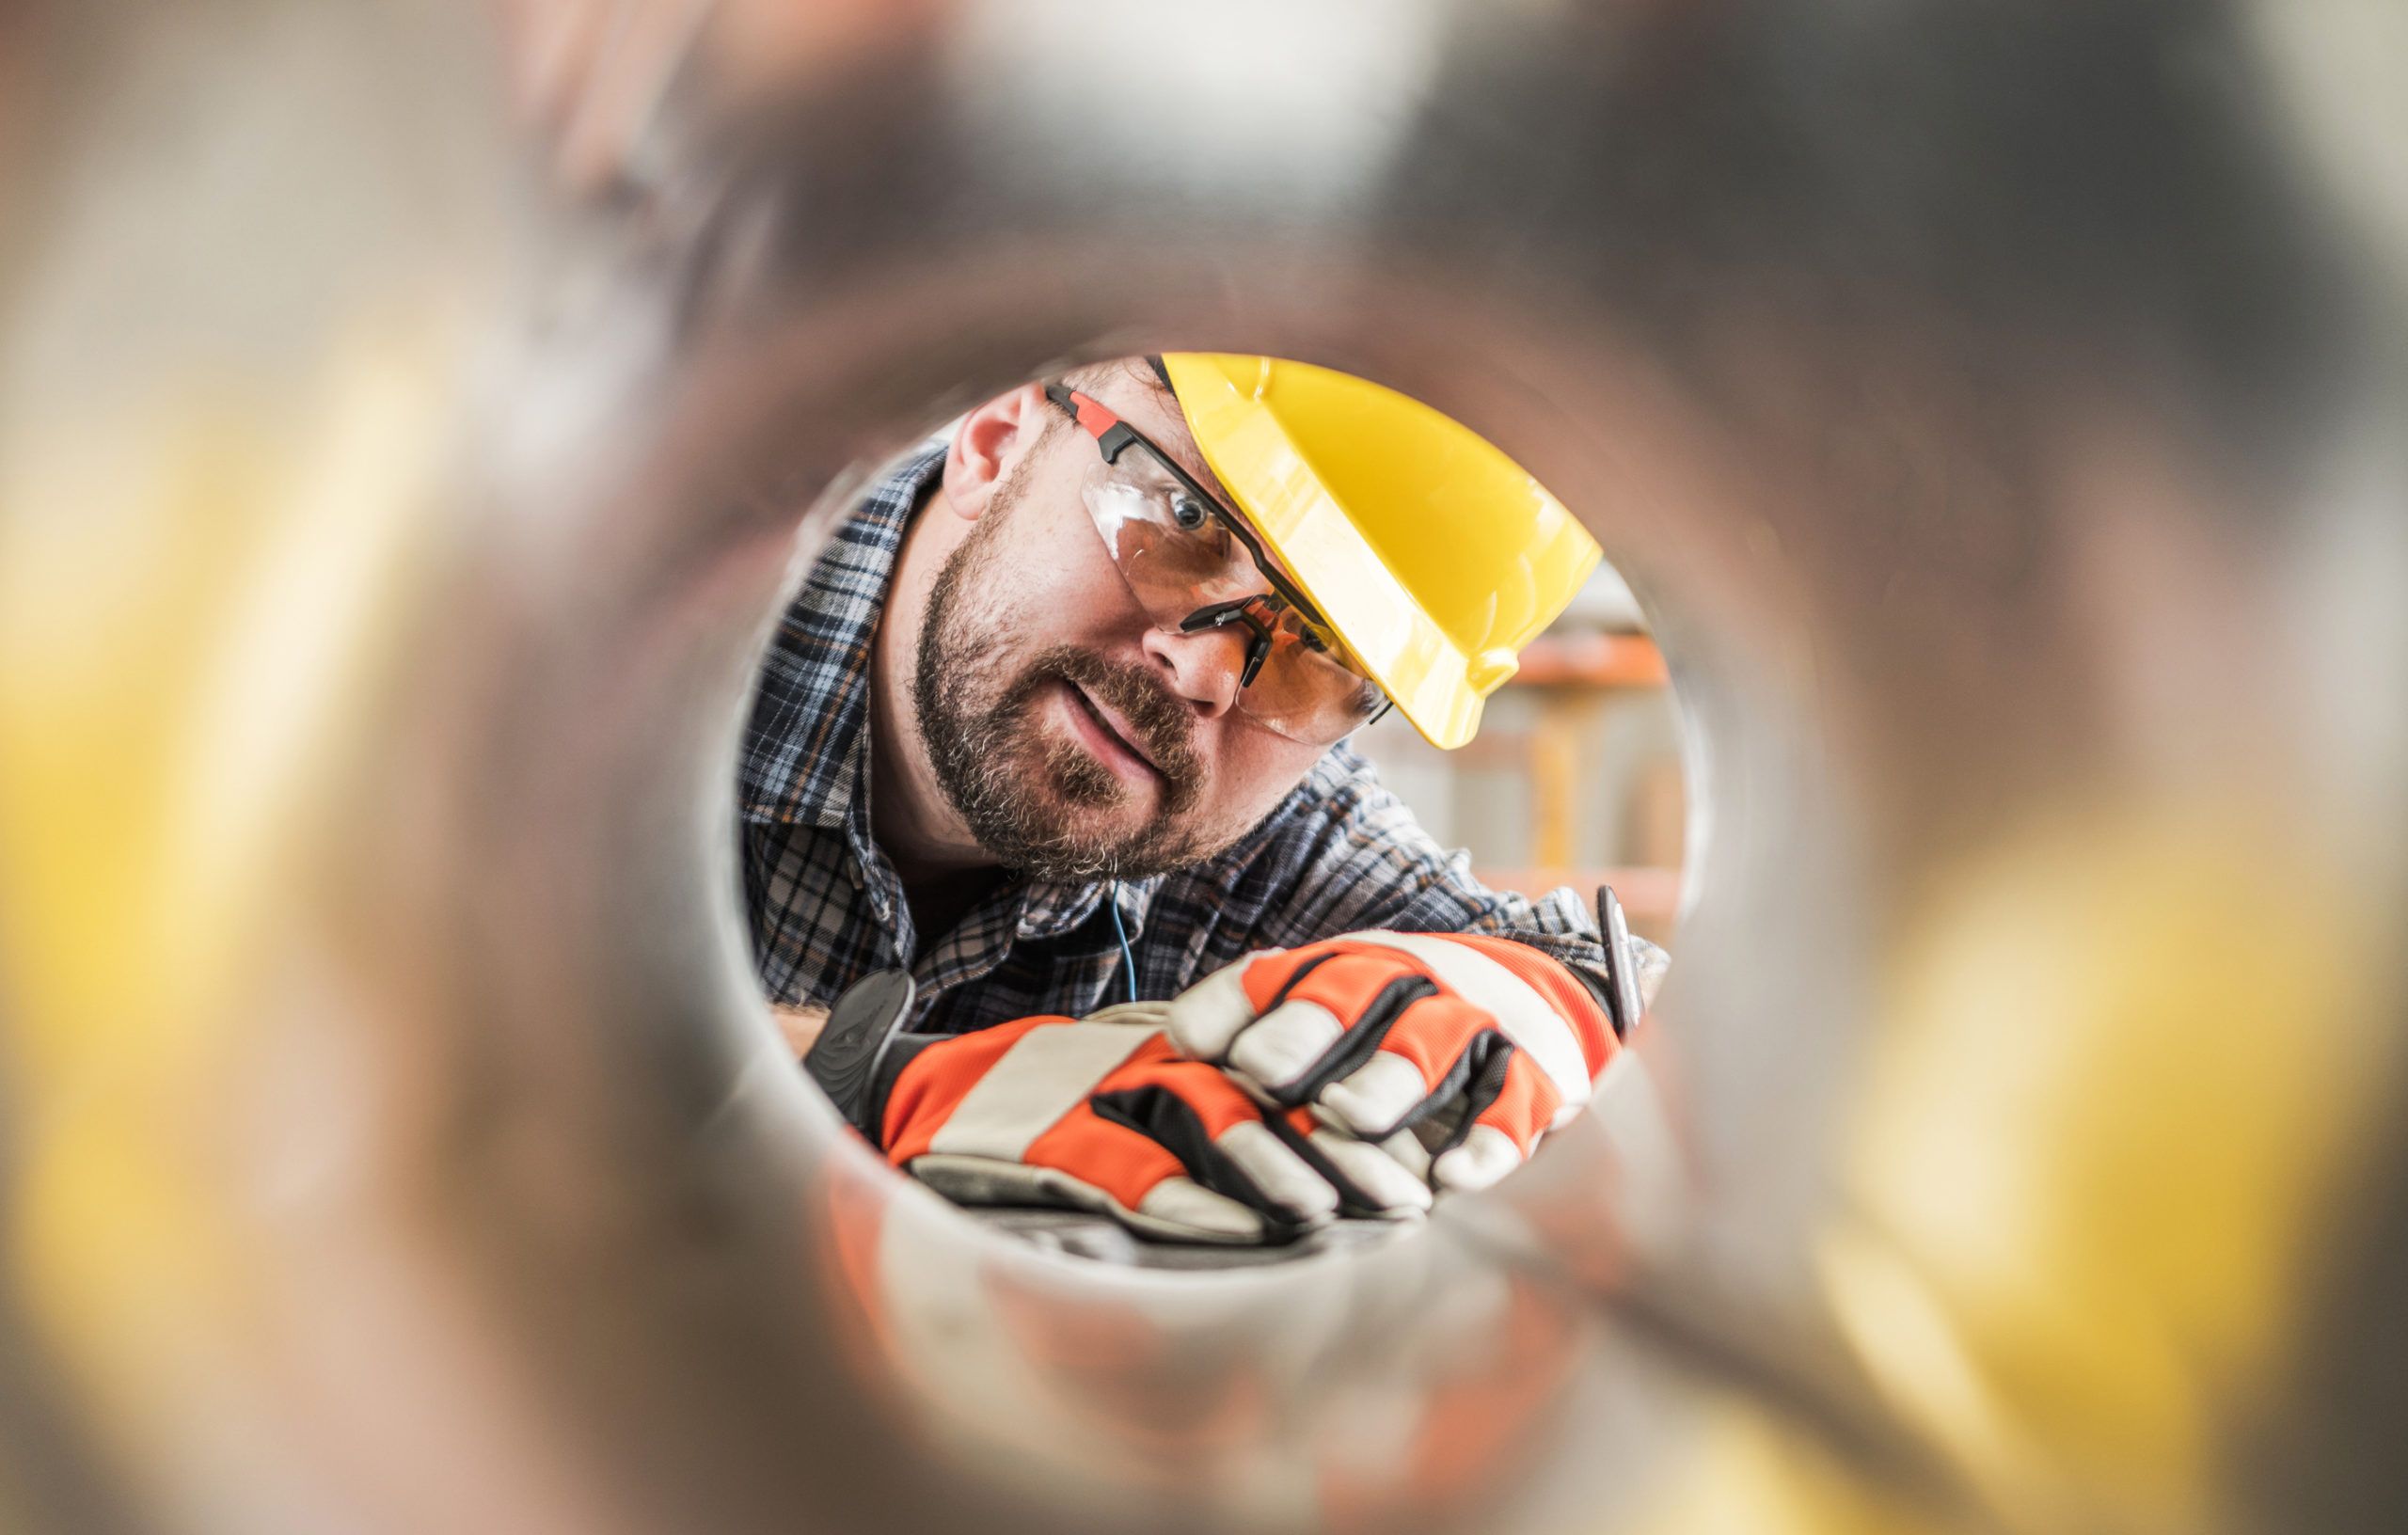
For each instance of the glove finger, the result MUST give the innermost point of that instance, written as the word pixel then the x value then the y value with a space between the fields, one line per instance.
pixel 1500 1136
pixel 1525 1105
pixel 1091 1162
pixel 1427 1057
pixel 1405 1149
pixel 1393 1100
pixel 1535 1001
pixel 1370 1181
pixel 1213 1132
pixel 1208 1017
pixel 1283 1177
pixel 1484 1156
pixel 1328 1025
pixel 1376 1098
pixel 1180 1206
pixel 1218 1137
pixel 1205 1017
pixel 1279 1050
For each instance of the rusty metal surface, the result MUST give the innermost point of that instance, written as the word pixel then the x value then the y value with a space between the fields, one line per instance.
pixel 408 414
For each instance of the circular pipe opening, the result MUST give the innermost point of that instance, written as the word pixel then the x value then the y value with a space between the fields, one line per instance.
pixel 386 1081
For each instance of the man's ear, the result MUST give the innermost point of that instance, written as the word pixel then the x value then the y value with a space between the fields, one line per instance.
pixel 987 443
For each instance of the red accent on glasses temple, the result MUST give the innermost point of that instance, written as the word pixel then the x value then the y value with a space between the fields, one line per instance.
pixel 1095 419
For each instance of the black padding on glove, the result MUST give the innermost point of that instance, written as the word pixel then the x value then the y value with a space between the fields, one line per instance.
pixel 1164 1117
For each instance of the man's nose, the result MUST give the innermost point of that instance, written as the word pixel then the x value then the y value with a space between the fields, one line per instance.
pixel 1205 667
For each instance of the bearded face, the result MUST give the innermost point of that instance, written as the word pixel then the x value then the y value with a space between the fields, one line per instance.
pixel 1040 799
pixel 1076 738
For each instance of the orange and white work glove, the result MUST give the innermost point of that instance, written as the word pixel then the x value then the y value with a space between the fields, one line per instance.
pixel 1102 1114
pixel 1454 1053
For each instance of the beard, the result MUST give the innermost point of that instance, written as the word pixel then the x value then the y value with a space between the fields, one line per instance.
pixel 1035 800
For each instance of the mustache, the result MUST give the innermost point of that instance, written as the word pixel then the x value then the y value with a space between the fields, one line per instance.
pixel 1163 723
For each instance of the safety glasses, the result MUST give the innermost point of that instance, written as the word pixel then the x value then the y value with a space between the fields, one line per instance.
pixel 1192 565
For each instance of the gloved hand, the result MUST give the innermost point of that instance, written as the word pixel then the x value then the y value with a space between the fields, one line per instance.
pixel 1104 1114
pixel 1453 1052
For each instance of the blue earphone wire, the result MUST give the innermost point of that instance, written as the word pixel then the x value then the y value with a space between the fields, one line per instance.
pixel 1120 929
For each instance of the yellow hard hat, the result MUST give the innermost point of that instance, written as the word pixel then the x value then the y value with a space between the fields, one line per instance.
pixel 1435 556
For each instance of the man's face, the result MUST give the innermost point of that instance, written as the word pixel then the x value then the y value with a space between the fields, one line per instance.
pixel 1076 740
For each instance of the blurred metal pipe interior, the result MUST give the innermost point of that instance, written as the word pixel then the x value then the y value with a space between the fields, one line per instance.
pixel 408 418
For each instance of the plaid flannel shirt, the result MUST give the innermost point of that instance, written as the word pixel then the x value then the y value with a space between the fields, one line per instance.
pixel 1339 854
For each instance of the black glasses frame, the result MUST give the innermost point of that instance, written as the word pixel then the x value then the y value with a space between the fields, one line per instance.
pixel 1118 437
pixel 1114 436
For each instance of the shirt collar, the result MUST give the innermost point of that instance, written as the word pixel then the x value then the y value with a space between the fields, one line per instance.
pixel 1051 910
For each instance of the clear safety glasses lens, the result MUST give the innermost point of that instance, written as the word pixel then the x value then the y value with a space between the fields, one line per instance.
pixel 1190 571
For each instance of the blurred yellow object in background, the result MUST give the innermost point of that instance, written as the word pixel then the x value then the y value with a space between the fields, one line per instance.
pixel 2100 1140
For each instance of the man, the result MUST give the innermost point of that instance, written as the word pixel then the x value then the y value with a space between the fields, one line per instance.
pixel 1056 721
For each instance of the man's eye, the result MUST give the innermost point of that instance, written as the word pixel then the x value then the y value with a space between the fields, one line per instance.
pixel 1188 513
